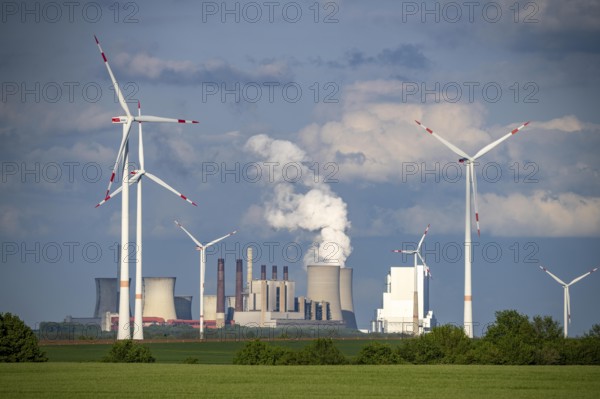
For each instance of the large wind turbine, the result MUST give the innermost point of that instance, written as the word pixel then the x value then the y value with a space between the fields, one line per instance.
pixel 567 298
pixel 417 254
pixel 124 331
pixel 136 178
pixel 471 180
pixel 202 248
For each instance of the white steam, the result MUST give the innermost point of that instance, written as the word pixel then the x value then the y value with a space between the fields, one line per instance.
pixel 317 209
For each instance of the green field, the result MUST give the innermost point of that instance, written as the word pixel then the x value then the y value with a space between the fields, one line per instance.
pixel 176 352
pixel 79 380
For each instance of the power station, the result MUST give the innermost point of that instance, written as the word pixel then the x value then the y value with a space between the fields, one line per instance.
pixel 267 301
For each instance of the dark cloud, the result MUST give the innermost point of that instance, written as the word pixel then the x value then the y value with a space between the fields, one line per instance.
pixel 405 55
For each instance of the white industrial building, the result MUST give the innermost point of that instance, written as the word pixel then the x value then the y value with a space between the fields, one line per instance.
pixel 396 315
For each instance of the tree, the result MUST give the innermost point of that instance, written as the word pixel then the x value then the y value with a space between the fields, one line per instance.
pixel 128 351
pixel 376 353
pixel 512 338
pixel 321 351
pixel 17 342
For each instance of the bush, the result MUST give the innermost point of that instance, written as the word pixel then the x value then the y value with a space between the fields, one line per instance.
pixel 191 360
pixel 319 352
pixel 376 353
pixel 17 342
pixel 256 352
pixel 128 351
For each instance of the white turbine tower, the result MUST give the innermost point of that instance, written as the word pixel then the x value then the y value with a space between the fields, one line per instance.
pixel 567 298
pixel 471 180
pixel 124 331
pixel 136 178
pixel 417 254
pixel 202 248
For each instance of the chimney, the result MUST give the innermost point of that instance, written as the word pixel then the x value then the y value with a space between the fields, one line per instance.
pixel 285 273
pixel 263 272
pixel 239 283
pixel 274 275
pixel 249 272
pixel 221 287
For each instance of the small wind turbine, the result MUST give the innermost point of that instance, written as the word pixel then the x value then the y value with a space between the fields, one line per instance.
pixel 567 298
pixel 416 252
pixel 202 248
pixel 124 330
pixel 136 178
pixel 471 180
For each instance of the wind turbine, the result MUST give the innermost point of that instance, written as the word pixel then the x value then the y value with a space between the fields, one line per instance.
pixel 124 331
pixel 567 298
pixel 202 248
pixel 417 253
pixel 471 179
pixel 136 178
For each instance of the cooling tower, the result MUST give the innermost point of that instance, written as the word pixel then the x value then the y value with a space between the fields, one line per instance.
pixel 159 297
pixel 323 284
pixel 346 297
pixel 106 296
pixel 220 292
pixel 239 284
pixel 183 307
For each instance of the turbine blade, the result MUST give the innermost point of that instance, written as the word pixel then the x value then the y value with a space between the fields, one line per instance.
pixel 160 119
pixel 426 268
pixel 454 148
pixel 114 81
pixel 422 238
pixel 165 185
pixel 220 238
pixel 198 243
pixel 130 181
pixel 553 276
pixel 471 166
pixel 126 129
pixel 405 251
pixel 490 146
pixel 141 140
pixel 583 276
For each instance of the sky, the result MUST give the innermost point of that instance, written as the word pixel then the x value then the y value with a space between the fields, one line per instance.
pixel 306 144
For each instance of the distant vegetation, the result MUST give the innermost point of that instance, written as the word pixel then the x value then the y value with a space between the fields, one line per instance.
pixel 128 351
pixel 512 340
pixel 18 343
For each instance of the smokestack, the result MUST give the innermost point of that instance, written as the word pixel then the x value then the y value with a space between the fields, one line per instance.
pixel 249 275
pixel 239 283
pixel 274 275
pixel 263 272
pixel 220 291
pixel 285 273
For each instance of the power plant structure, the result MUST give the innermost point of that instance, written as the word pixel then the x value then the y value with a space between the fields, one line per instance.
pixel 396 315
pixel 267 301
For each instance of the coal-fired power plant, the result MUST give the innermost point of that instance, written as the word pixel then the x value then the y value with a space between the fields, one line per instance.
pixel 159 297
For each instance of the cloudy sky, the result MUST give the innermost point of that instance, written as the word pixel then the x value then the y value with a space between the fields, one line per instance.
pixel 307 144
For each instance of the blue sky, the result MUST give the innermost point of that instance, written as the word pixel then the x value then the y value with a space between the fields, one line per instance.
pixel 331 97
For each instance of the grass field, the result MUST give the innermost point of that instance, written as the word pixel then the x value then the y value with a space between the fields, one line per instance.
pixel 176 352
pixel 80 380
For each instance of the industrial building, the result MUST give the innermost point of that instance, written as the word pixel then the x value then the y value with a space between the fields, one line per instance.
pixel 268 301
pixel 396 315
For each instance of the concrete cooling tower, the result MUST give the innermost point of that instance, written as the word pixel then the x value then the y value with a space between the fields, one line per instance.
pixel 323 284
pixel 346 297
pixel 106 296
pixel 183 307
pixel 159 297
